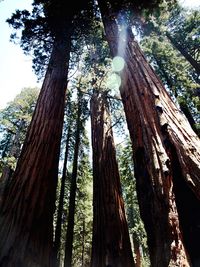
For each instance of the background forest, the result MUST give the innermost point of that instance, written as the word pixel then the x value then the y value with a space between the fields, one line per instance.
pixel 71 195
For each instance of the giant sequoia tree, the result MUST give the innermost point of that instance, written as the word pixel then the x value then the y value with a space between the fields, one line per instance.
pixel 26 220
pixel 165 151
pixel 111 244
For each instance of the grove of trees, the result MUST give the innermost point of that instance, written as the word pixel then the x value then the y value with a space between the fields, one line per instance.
pixel 69 195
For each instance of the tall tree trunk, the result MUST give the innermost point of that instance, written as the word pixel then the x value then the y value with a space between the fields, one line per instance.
pixel 184 53
pixel 165 152
pixel 111 243
pixel 73 187
pixel 57 240
pixel 83 245
pixel 26 220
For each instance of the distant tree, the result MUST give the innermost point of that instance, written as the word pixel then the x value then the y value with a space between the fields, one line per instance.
pixel 68 130
pixel 184 36
pixel 83 216
pixel 180 26
pixel 73 187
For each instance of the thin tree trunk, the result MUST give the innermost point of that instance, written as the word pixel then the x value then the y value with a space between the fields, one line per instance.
pixel 138 256
pixel 165 152
pixel 184 53
pixel 57 240
pixel 136 244
pixel 83 245
pixel 186 111
pixel 110 243
pixel 73 187
pixel 183 106
pixel 26 220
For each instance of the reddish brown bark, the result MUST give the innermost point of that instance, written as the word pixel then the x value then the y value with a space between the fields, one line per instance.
pixel 111 244
pixel 165 152
pixel 26 221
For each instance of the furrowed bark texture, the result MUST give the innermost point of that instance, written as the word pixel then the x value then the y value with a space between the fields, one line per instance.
pixel 26 220
pixel 111 244
pixel 165 152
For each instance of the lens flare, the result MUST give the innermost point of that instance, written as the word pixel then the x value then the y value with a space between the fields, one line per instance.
pixel 122 42
pixel 118 63
pixel 113 82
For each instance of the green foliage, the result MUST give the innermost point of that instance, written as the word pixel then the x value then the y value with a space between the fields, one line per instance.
pixel 83 213
pixel 48 19
pixel 138 5
pixel 186 32
pixel 14 121
pixel 182 25
pixel 171 67
pixel 34 34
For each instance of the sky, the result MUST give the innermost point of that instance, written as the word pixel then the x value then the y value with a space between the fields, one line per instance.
pixel 16 68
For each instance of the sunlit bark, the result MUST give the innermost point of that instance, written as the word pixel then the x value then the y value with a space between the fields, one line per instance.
pixel 165 152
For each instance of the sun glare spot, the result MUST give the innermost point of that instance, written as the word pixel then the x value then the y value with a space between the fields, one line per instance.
pixel 113 81
pixel 118 63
